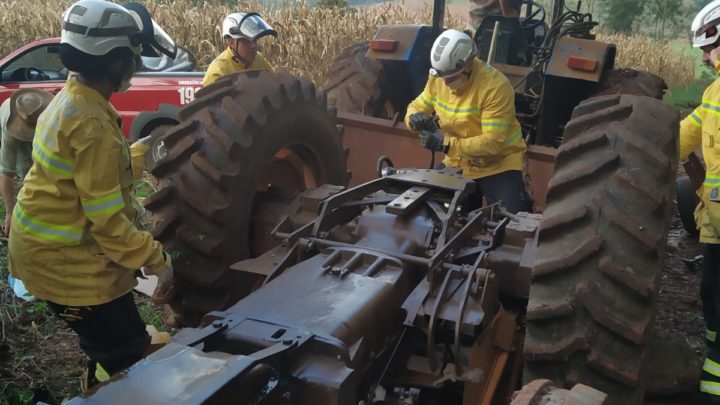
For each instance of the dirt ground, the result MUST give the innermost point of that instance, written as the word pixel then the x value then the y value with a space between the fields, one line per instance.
pixel 39 355
pixel 679 312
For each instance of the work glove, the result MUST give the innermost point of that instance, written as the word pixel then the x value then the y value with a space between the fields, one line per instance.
pixel 433 141
pixel 143 143
pixel 165 290
pixel 419 121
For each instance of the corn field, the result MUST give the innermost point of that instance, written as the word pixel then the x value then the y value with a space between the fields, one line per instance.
pixel 658 57
pixel 308 37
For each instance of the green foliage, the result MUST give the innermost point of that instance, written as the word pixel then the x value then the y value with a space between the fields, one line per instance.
pixel 660 19
pixel 621 15
pixel 332 3
pixel 697 5
pixel 150 314
pixel 17 396
pixel 142 189
pixel 668 15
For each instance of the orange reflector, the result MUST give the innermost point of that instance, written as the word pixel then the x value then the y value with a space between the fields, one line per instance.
pixel 587 65
pixel 383 45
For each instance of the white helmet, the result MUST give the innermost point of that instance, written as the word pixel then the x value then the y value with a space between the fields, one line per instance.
pixel 706 25
pixel 248 26
pixel 450 52
pixel 96 27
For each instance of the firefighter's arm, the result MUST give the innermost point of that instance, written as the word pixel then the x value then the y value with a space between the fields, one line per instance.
pixel 421 104
pixel 691 132
pixel 497 126
pixel 96 177
pixel 138 151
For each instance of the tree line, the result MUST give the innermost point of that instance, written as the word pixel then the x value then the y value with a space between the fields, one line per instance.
pixel 662 19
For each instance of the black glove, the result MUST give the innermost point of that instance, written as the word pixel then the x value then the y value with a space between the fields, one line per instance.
pixel 419 121
pixel 433 141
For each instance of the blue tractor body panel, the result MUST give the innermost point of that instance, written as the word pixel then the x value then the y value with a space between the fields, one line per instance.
pixel 409 62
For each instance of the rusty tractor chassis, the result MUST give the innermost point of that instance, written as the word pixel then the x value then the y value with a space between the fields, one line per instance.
pixel 387 295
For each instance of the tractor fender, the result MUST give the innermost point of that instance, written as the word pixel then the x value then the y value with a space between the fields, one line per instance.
pixel 590 59
pixel 165 114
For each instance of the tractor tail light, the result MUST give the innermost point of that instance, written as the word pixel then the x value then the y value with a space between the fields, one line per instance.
pixel 587 65
pixel 383 45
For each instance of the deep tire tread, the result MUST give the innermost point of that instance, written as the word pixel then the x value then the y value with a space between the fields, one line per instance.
pixel 354 82
pixel 601 246
pixel 210 173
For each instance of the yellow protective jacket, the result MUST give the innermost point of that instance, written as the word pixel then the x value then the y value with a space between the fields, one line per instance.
pixel 72 239
pixel 226 63
pixel 702 127
pixel 479 123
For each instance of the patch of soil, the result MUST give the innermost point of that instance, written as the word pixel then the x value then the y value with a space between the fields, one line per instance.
pixel 40 359
pixel 679 316
pixel 39 355
pixel 680 310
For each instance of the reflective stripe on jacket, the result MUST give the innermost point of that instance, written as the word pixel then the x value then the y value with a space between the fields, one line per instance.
pixel 702 127
pixel 479 123
pixel 72 240
pixel 226 64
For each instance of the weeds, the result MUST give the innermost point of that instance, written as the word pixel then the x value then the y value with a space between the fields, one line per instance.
pixel 39 355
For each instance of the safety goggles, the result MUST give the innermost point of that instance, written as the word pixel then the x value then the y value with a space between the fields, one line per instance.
pixel 252 27
pixel 708 29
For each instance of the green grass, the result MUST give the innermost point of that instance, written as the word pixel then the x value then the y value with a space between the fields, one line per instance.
pixel 687 98
pixel 18 396
pixel 151 313
pixel 142 189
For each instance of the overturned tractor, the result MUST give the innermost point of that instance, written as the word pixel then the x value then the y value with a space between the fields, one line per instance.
pixel 393 291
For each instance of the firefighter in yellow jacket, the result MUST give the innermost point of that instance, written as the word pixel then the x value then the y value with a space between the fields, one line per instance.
pixel 479 133
pixel 72 238
pixel 240 33
pixel 702 128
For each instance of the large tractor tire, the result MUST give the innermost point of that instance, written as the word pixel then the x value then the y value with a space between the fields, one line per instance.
pixel 361 85
pixel 631 81
pixel 243 150
pixel 601 247
pixel 354 82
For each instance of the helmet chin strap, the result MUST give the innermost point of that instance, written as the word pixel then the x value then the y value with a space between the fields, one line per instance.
pixel 117 79
pixel 237 56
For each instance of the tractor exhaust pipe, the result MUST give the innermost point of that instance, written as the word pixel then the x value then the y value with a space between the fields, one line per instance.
pixel 438 18
pixel 493 44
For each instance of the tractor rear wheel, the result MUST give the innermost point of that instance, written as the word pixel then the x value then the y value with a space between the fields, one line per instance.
pixel 601 247
pixel 361 85
pixel 631 81
pixel 243 150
